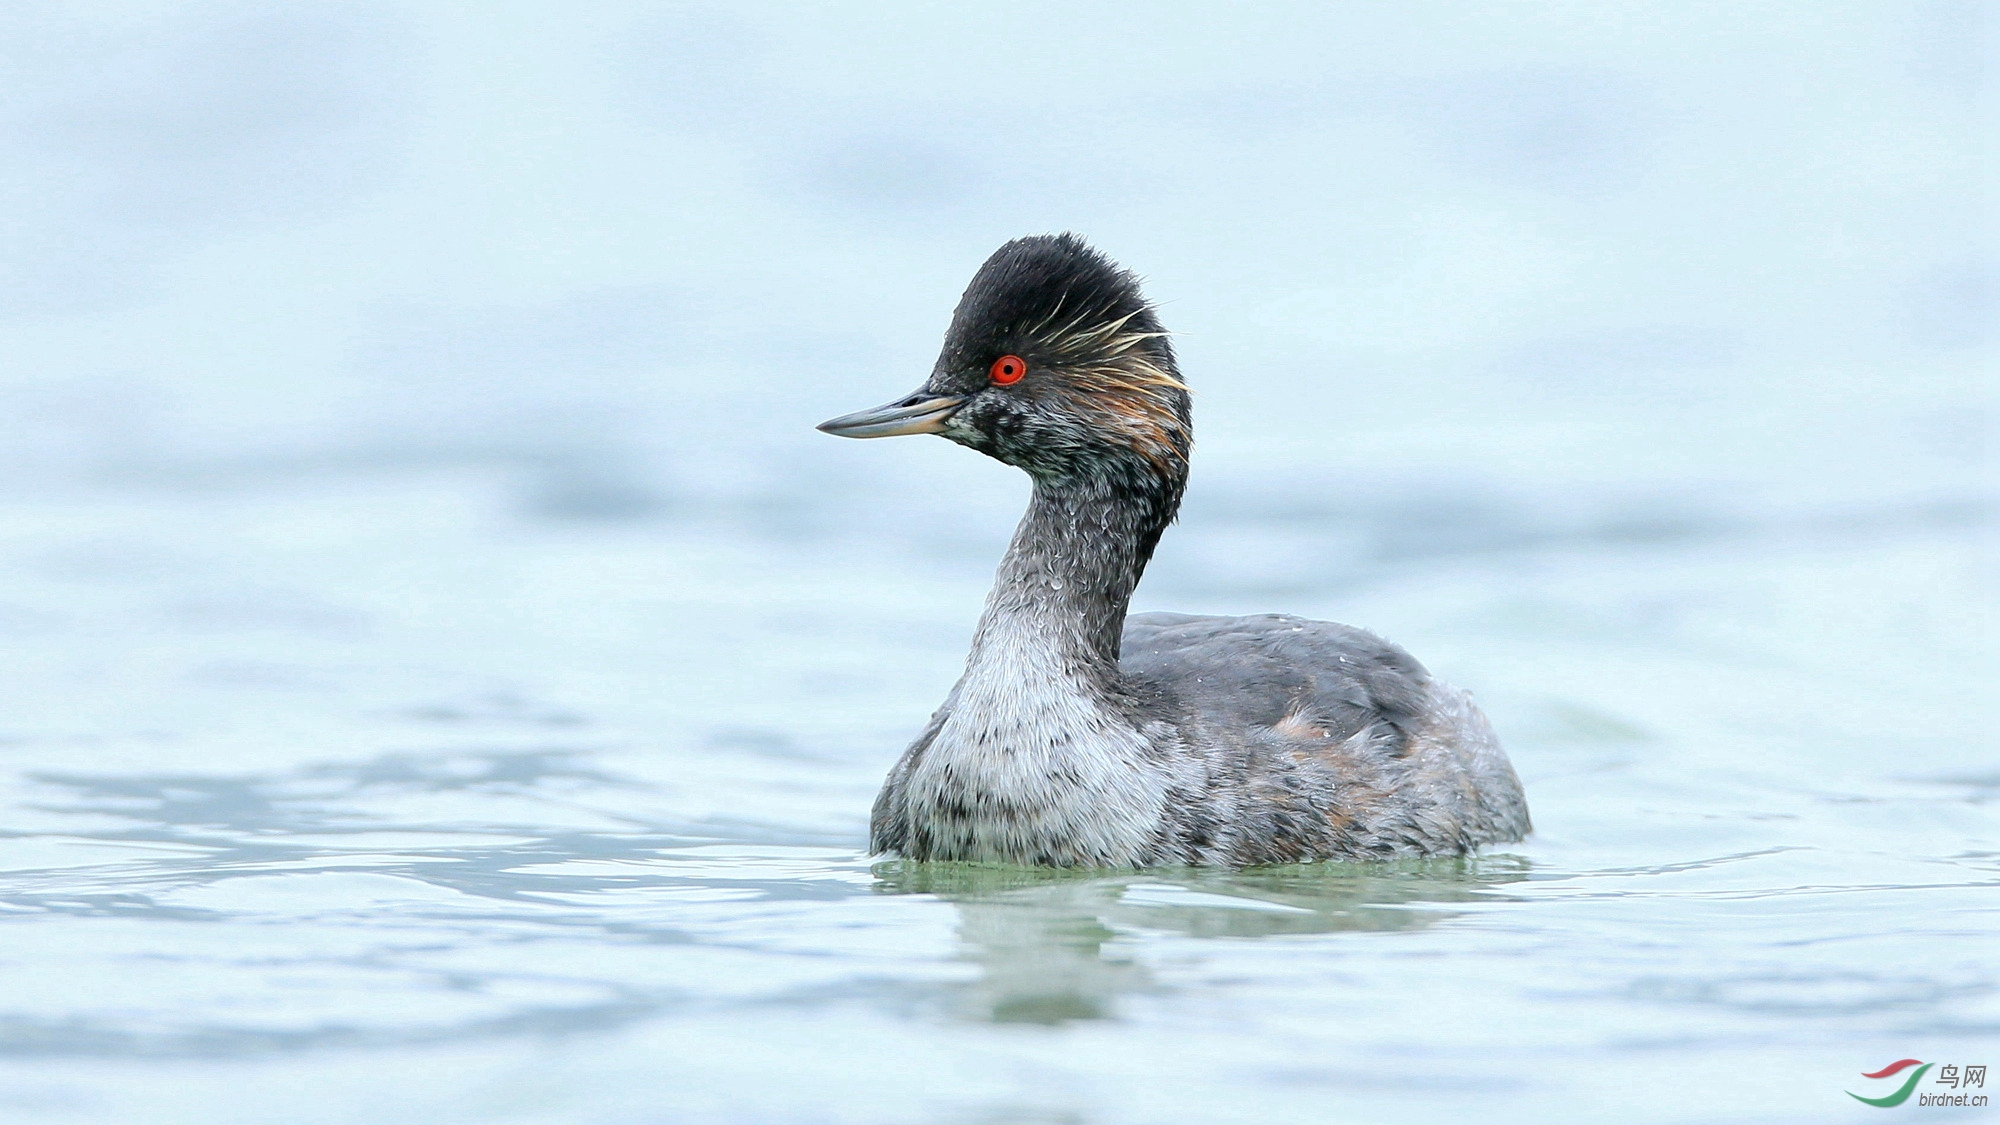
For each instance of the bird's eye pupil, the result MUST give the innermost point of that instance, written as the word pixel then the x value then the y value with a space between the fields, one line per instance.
pixel 1008 369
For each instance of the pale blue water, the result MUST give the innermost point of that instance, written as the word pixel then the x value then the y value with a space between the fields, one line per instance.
pixel 443 677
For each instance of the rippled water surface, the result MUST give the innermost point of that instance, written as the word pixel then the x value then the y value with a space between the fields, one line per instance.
pixel 391 805
pixel 443 677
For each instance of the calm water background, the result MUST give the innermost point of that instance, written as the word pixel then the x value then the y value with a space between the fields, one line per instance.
pixel 443 676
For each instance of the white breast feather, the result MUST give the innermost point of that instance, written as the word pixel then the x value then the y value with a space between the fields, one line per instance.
pixel 1043 769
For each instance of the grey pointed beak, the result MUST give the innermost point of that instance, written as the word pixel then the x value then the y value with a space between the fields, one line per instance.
pixel 918 414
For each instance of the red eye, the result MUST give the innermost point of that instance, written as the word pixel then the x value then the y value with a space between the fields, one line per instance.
pixel 1008 369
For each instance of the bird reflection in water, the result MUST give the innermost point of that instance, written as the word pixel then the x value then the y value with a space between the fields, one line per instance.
pixel 1055 945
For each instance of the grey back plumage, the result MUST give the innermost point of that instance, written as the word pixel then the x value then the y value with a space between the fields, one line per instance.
pixel 1331 742
pixel 1273 670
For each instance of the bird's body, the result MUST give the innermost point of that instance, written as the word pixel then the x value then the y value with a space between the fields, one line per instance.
pixel 1081 737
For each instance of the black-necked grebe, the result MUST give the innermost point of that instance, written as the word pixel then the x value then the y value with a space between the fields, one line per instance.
pixel 1079 736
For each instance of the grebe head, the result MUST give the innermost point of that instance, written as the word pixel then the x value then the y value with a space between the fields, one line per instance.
pixel 1054 363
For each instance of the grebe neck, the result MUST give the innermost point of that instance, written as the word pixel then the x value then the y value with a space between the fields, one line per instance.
pixel 1068 576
